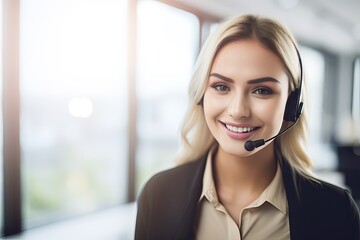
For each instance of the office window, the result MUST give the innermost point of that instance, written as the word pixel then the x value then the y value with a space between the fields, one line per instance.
pixel 314 72
pixel 168 41
pixel 73 119
pixel 320 152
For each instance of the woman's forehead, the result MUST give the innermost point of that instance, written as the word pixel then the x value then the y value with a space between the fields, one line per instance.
pixel 248 58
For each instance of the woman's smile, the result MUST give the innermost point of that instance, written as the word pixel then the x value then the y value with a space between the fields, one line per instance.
pixel 239 132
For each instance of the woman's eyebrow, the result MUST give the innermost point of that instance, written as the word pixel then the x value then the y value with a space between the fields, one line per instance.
pixel 252 81
pixel 222 77
pixel 263 79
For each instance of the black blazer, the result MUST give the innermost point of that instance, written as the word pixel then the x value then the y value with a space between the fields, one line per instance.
pixel 317 210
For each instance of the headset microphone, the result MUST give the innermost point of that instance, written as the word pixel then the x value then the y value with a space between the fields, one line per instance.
pixel 251 145
pixel 293 110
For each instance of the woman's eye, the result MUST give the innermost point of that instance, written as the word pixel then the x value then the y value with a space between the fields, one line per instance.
pixel 221 87
pixel 263 91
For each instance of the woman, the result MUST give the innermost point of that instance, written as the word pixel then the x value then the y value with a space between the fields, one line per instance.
pixel 244 172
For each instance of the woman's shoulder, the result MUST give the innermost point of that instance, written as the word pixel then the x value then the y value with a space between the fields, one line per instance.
pixel 318 197
pixel 314 188
pixel 309 187
pixel 317 186
pixel 325 196
pixel 176 178
pixel 322 210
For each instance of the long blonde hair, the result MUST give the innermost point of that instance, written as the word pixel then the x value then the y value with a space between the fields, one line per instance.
pixel 196 138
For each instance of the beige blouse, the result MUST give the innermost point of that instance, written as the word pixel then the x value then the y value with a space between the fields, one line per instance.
pixel 265 218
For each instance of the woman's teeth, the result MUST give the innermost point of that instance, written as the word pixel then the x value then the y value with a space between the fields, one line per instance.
pixel 239 129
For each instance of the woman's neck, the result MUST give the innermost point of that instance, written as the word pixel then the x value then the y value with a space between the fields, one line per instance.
pixel 249 174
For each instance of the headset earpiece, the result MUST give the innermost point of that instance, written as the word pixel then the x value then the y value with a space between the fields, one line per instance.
pixel 293 107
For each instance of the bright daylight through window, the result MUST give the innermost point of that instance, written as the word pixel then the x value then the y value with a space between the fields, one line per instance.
pixel 73 118
pixel 167 48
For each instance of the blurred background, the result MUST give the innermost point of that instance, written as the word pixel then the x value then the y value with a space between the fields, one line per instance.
pixel 93 93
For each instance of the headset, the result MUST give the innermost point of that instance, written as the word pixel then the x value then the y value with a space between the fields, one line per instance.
pixel 293 110
pixel 294 106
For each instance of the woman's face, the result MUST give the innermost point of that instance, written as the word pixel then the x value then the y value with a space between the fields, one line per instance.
pixel 245 96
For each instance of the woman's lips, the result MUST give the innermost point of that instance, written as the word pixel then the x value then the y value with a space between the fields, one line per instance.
pixel 239 132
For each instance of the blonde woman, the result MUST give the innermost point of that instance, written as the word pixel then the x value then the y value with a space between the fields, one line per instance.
pixel 243 168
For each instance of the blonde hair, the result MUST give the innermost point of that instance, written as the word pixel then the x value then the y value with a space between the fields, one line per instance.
pixel 196 138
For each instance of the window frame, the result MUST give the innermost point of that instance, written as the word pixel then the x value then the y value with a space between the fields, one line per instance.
pixel 12 212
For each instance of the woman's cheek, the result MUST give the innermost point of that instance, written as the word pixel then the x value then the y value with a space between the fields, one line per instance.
pixel 272 111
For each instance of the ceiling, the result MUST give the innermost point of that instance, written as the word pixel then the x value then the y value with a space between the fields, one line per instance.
pixel 332 25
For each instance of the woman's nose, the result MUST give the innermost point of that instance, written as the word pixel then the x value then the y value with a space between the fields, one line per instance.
pixel 239 107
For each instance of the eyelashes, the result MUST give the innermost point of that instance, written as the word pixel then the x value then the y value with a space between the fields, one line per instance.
pixel 223 88
pixel 263 91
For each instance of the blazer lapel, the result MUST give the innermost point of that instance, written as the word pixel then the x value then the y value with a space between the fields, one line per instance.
pixel 291 181
pixel 184 229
